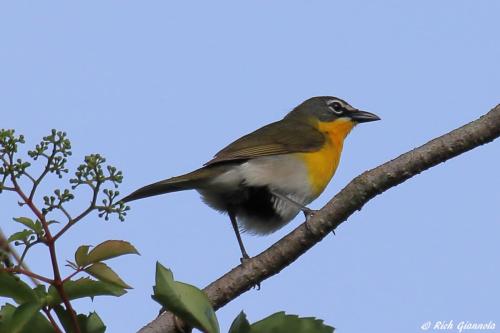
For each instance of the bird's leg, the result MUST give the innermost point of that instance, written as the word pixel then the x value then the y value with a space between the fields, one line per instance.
pixel 308 212
pixel 244 253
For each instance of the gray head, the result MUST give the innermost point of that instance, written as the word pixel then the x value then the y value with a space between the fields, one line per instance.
pixel 328 109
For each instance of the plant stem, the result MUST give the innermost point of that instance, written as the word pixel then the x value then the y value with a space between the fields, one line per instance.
pixel 44 173
pixel 9 249
pixel 29 176
pixel 51 319
pixel 91 207
pixel 50 242
pixel 71 275
pixel 6 188
pixel 30 274
pixel 25 251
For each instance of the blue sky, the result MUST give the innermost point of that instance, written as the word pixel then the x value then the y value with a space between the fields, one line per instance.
pixel 158 87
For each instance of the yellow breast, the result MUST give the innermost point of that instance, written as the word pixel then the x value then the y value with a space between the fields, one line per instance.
pixel 322 164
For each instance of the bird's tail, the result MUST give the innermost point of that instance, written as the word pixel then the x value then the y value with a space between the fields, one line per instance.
pixel 189 181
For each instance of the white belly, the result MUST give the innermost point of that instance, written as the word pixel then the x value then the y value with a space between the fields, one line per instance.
pixel 282 174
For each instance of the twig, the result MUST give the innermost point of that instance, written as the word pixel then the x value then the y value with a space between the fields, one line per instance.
pixel 65 212
pixel 350 199
pixel 26 248
pixel 7 188
pixel 30 177
pixel 91 207
pixel 71 275
pixel 44 173
pixel 12 251
pixel 29 273
pixel 51 319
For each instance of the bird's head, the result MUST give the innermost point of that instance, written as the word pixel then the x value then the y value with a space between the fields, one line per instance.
pixel 327 109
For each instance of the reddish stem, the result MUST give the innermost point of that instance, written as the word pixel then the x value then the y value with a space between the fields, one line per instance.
pixel 72 274
pixel 51 319
pixel 50 242
pixel 29 273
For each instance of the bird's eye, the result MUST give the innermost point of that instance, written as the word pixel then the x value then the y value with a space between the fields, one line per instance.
pixel 336 107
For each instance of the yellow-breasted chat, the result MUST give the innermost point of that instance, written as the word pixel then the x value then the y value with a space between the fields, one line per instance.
pixel 265 178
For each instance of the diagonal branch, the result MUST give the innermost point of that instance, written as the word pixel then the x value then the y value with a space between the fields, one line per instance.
pixel 350 199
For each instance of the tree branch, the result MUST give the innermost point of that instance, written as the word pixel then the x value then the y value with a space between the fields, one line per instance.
pixel 350 199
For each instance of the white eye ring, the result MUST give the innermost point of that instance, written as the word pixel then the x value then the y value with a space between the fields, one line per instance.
pixel 338 110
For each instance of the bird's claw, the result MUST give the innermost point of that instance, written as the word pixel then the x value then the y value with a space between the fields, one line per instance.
pixel 244 258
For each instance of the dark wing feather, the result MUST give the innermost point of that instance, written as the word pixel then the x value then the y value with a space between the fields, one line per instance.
pixel 273 139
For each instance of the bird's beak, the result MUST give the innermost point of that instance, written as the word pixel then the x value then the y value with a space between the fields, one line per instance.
pixel 363 116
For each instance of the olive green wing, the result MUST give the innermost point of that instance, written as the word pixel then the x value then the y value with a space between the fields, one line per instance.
pixel 281 137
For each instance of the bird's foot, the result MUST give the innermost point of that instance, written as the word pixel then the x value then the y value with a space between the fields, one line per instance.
pixel 244 258
pixel 243 261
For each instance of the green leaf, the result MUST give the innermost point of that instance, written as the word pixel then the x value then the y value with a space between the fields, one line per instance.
pixel 6 312
pixel 110 249
pixel 81 255
pixel 26 221
pixel 11 286
pixel 38 228
pixel 20 236
pixel 67 322
pixel 88 324
pixel 41 293
pixel 185 301
pixel 64 318
pixel 22 315
pixel 283 323
pixel 38 324
pixel 95 324
pixel 104 273
pixel 240 324
pixel 84 287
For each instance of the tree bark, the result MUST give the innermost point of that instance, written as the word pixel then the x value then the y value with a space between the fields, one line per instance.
pixel 350 199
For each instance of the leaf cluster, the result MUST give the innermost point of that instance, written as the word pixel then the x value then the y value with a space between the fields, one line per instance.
pixel 30 301
pixel 192 306
pixel 34 307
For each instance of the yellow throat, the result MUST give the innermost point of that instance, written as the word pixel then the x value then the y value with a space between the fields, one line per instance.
pixel 321 165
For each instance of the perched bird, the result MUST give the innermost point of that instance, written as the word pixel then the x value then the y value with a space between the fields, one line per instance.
pixel 265 178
